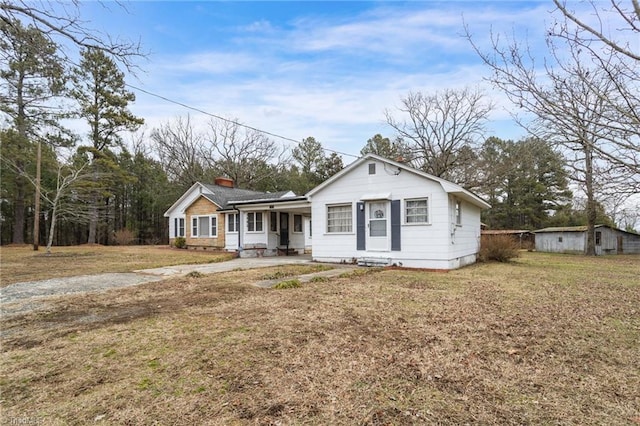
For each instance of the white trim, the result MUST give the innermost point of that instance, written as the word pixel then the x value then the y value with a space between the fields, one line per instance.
pixel 236 223
pixel 373 197
pixel 255 222
pixel 301 231
pixel 197 217
pixel 404 211
pixel 187 193
pixel 176 227
pixel 327 206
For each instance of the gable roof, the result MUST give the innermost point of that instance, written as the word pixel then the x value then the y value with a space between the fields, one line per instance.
pixel 505 231
pixel 448 187
pixel 581 228
pixel 223 196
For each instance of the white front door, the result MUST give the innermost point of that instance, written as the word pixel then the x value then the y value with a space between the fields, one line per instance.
pixel 378 226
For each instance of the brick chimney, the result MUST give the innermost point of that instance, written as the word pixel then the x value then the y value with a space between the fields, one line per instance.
pixel 226 182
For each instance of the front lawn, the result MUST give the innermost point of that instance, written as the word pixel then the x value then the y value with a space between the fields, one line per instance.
pixel 547 339
pixel 21 263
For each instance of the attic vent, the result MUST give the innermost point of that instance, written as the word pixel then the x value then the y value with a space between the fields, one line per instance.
pixel 226 182
pixel 372 168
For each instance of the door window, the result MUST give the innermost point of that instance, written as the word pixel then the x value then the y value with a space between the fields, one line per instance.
pixel 378 220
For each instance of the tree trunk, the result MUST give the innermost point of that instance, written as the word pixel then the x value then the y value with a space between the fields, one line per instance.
pixel 36 218
pixel 52 227
pixel 18 213
pixel 93 222
pixel 591 202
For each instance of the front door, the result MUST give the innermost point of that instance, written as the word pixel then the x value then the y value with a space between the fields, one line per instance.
pixel 284 229
pixel 378 225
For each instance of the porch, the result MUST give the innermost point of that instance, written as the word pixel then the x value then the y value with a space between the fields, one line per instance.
pixel 277 227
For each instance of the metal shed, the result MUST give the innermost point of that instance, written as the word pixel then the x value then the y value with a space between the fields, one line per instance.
pixel 573 239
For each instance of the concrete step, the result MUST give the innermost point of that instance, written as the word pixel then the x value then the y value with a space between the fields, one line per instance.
pixel 374 261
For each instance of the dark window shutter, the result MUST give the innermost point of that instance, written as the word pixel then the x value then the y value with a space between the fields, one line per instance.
pixel 396 218
pixel 360 227
pixel 175 227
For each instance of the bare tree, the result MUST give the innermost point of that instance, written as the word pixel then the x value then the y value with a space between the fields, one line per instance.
pixel 240 153
pixel 618 41
pixel 64 200
pixel 608 38
pixel 60 21
pixel 66 178
pixel 180 149
pixel 439 126
pixel 576 104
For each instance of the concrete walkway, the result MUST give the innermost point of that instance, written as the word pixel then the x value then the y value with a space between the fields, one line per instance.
pixel 230 265
pixel 338 269
pixel 88 283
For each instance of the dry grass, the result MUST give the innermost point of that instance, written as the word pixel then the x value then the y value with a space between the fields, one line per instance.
pixel 21 263
pixel 545 339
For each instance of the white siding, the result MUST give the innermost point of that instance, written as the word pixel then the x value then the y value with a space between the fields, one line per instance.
pixel 425 245
pixel 178 211
pixel 254 238
pixel 465 237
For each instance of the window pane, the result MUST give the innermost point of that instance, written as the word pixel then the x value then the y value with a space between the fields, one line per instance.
pixel 378 228
pixel 297 223
pixel 258 222
pixel 251 224
pixel 273 222
pixel 203 226
pixel 181 227
pixel 214 226
pixel 339 219
pixel 417 211
pixel 194 227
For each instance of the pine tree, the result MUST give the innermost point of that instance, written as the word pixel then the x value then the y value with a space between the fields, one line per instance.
pixel 103 100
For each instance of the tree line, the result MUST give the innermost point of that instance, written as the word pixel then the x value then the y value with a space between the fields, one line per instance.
pixel 579 164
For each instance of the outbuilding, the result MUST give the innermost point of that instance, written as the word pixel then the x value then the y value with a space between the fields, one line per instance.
pixel 573 239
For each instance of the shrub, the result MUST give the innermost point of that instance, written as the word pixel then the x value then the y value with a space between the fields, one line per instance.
pixel 180 242
pixel 195 274
pixel 288 284
pixel 124 237
pixel 500 248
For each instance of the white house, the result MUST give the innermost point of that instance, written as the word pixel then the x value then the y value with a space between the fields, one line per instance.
pixel 380 212
pixel 373 212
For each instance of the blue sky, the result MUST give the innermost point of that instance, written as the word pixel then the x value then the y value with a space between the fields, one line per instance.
pixel 322 69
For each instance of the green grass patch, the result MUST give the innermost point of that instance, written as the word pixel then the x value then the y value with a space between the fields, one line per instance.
pixel 288 284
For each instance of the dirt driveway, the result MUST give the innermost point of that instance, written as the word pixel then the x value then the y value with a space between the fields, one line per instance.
pixel 28 296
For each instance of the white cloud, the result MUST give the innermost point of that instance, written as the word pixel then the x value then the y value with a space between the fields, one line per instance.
pixel 334 79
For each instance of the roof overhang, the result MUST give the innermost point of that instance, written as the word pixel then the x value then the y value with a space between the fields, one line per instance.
pixel 372 197
pixel 301 204
pixel 186 194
